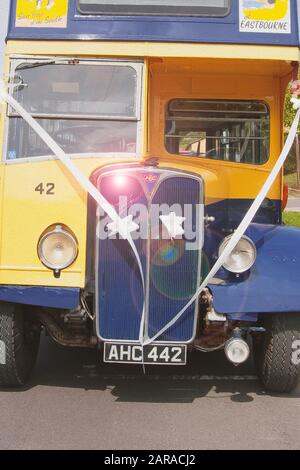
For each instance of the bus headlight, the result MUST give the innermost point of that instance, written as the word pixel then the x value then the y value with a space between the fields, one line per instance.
pixel 242 257
pixel 57 248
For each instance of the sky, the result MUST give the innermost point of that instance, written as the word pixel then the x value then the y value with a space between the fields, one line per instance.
pixel 3 29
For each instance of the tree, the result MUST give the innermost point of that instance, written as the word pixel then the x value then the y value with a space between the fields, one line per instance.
pixel 289 112
pixel 292 163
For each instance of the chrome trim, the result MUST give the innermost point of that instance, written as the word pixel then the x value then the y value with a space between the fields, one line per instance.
pixel 74 156
pixel 79 117
pixel 43 269
pixel 223 245
pixel 57 230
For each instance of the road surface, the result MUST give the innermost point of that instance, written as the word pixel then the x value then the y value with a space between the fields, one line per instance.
pixel 72 404
pixel 293 204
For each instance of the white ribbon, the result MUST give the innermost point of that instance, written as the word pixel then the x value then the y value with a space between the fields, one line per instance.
pixel 244 224
pixel 83 181
pixel 122 223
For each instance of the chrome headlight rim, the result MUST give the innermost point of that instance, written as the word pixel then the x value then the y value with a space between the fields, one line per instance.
pixel 55 229
pixel 249 266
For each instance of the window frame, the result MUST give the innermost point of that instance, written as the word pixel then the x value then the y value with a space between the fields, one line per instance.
pixel 158 13
pixel 137 65
pixel 217 160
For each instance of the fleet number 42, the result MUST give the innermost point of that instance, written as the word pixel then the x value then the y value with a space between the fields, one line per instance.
pixel 47 189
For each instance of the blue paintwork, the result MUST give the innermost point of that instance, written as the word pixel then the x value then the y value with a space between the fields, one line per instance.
pixel 273 283
pixel 52 297
pixel 272 286
pixel 153 28
pixel 171 284
pixel 229 213
pixel 119 283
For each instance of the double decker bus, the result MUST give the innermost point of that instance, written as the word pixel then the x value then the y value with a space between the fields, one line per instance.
pixel 170 113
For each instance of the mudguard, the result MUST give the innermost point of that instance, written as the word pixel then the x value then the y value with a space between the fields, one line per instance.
pixel 273 285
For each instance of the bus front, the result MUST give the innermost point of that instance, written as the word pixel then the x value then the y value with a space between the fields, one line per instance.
pixel 135 136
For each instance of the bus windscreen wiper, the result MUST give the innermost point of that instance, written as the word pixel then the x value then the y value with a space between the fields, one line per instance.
pixel 32 65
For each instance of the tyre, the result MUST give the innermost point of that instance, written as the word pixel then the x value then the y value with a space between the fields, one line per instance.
pixel 276 353
pixel 19 344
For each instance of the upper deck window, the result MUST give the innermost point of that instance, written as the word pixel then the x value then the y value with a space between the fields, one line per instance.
pixel 211 8
pixel 235 131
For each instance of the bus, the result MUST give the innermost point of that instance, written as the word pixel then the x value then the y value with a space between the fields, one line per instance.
pixel 135 136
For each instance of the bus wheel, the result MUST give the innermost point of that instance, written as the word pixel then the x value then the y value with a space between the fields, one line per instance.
pixel 277 353
pixel 19 344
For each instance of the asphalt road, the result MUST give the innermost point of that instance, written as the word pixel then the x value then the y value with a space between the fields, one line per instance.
pixel 293 204
pixel 71 403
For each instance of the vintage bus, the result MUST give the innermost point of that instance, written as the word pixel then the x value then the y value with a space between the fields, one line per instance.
pixel 172 111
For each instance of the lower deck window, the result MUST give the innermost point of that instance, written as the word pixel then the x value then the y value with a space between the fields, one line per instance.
pixel 74 137
pixel 236 131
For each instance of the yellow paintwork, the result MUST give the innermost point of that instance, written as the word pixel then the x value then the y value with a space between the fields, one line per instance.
pixel 268 12
pixel 43 14
pixel 154 49
pixel 47 11
pixel 217 80
pixel 25 213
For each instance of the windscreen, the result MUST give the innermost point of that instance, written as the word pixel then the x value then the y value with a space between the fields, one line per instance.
pixel 88 108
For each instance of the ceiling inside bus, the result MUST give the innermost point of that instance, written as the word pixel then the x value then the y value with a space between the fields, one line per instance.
pixel 269 22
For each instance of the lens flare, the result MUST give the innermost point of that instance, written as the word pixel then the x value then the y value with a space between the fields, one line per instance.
pixel 171 272
pixel 118 186
pixel 120 181
pixel 168 253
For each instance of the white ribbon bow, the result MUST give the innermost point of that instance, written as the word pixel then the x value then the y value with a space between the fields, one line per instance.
pixel 296 102
pixel 122 224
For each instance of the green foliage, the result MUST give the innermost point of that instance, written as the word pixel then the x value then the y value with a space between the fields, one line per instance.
pixel 290 166
pixel 292 218
pixel 291 180
pixel 289 112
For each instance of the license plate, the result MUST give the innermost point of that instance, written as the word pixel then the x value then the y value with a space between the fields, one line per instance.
pixel 158 354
